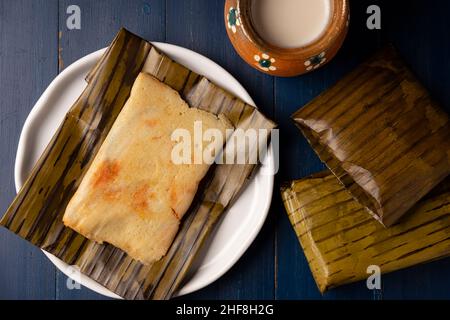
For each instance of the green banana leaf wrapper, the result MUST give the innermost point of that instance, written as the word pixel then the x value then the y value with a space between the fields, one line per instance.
pixel 381 133
pixel 36 212
pixel 340 240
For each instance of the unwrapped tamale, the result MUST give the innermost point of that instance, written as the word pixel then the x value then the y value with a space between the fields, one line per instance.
pixel 381 134
pixel 133 196
pixel 340 240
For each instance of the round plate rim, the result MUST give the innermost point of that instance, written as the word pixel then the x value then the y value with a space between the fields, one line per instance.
pixel 73 68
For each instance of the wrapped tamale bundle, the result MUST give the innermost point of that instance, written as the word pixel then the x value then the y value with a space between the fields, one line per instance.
pixel 340 240
pixel 379 131
pixel 36 214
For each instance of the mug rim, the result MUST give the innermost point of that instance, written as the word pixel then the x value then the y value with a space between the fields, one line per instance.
pixel 337 22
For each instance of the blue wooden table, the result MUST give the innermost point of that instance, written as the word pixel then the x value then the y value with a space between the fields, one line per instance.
pixel 35 45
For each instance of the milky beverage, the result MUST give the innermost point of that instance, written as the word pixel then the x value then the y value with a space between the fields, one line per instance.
pixel 290 23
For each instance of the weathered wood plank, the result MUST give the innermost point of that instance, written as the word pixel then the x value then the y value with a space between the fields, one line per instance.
pixel 28 62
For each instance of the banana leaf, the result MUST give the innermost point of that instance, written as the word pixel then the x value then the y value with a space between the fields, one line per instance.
pixel 340 240
pixel 382 135
pixel 36 212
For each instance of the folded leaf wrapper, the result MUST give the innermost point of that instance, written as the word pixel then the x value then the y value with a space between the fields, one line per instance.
pixel 381 134
pixel 340 240
pixel 36 212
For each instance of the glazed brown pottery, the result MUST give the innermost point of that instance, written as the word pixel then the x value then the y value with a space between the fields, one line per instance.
pixel 284 62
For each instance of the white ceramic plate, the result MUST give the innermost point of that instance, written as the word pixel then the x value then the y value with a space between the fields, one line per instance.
pixel 241 223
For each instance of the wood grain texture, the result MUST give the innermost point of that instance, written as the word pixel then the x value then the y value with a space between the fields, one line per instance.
pixel 27 65
pixel 416 28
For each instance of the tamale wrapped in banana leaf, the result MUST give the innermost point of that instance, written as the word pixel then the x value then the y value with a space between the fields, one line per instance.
pixel 382 135
pixel 36 212
pixel 340 240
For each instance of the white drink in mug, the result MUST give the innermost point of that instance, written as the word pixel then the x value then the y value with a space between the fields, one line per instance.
pixel 291 23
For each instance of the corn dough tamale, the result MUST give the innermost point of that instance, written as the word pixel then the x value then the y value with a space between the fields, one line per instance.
pixel 133 195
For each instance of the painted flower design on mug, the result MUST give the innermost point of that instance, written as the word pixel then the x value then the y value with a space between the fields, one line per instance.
pixel 316 61
pixel 265 62
pixel 233 19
